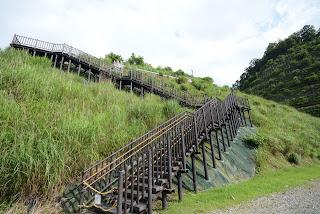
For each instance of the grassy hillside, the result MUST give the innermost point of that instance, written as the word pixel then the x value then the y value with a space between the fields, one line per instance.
pixel 54 124
pixel 283 131
pixel 288 72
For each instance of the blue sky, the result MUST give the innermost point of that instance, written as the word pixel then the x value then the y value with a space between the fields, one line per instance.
pixel 212 38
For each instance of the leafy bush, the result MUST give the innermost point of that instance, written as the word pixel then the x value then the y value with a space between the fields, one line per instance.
pixel 293 158
pixel 182 80
pixel 255 140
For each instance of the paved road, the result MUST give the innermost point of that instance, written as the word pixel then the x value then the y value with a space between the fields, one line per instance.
pixel 302 199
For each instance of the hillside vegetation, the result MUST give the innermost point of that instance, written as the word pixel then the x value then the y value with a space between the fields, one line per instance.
pixel 180 79
pixel 53 124
pixel 288 72
pixel 283 132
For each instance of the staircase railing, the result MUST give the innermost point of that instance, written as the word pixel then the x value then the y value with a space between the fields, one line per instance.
pixel 111 70
pixel 183 132
pixel 147 162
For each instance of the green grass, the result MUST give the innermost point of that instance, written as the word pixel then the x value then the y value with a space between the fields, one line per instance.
pixel 54 124
pixel 260 185
pixel 285 130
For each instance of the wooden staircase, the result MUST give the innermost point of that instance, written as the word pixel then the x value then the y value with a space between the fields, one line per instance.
pixel 132 178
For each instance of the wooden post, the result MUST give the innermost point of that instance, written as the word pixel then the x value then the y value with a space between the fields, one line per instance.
pixel 149 182
pixel 228 124
pixel 169 153
pixel 69 64
pixel 184 159
pixel 120 192
pixel 141 91
pixel 218 144
pixel 222 137
pixel 55 62
pixel 250 118
pixel 61 63
pixel 152 85
pixel 196 133
pixel 83 190
pixel 212 151
pixel 79 67
pixel 242 123
pixel 204 158
pixel 164 200
pixel 205 123
pixel 194 173
pixel 180 193
pixel 89 75
pixel 244 117
pixel 228 140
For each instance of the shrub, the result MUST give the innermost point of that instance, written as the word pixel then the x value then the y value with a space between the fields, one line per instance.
pixel 182 80
pixel 293 158
pixel 255 140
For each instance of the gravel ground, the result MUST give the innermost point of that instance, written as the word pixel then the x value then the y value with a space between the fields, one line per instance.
pixel 302 199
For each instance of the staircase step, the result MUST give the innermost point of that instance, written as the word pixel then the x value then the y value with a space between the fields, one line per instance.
pixel 174 168
pixel 135 193
pixel 137 208
pixel 155 188
pixel 159 182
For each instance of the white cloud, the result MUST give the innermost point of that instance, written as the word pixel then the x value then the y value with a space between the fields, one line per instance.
pixel 214 38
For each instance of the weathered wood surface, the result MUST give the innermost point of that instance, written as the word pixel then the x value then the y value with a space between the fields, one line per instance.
pixel 144 168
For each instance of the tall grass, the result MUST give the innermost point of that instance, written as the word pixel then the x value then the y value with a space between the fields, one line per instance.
pixel 286 131
pixel 54 124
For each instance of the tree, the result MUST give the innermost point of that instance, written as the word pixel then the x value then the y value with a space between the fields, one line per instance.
pixel 136 60
pixel 111 57
pixel 179 73
pixel 307 33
